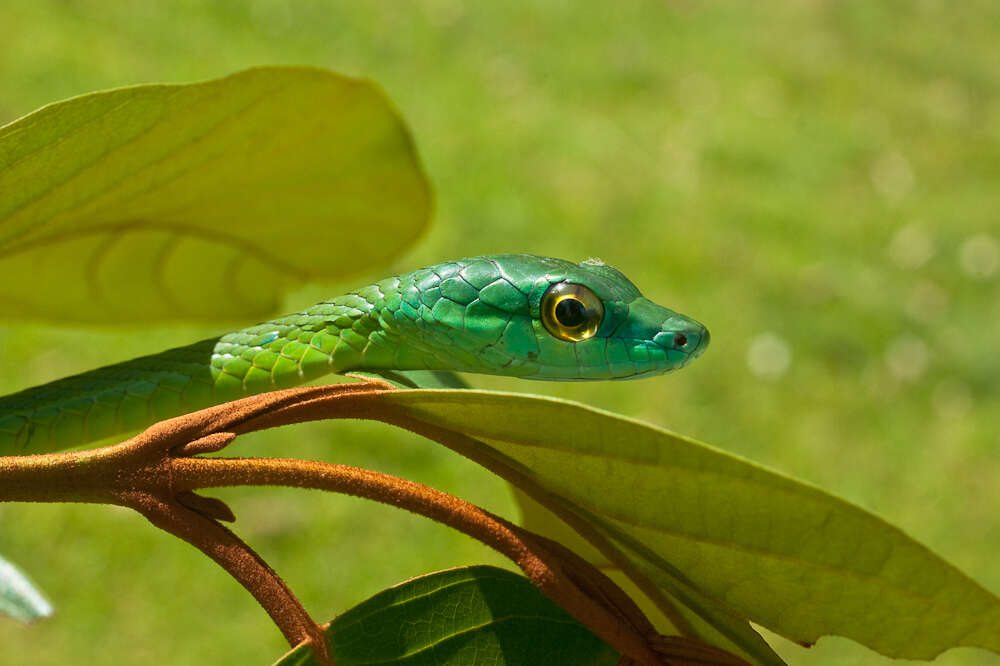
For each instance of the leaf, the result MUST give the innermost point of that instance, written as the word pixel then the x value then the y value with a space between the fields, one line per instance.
pixel 733 634
pixel 469 615
pixel 18 597
pixel 726 538
pixel 202 201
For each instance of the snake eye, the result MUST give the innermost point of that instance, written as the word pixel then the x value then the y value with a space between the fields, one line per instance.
pixel 571 311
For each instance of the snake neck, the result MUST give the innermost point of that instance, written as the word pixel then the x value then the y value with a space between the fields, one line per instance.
pixel 340 335
pixel 415 321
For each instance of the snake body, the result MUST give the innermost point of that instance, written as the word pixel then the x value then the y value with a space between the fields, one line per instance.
pixel 518 315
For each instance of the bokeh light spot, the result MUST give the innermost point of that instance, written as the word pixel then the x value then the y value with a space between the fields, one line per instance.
pixel 769 356
pixel 911 247
pixel 979 256
pixel 892 176
pixel 907 357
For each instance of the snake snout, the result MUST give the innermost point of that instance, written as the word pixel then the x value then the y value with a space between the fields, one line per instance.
pixel 690 338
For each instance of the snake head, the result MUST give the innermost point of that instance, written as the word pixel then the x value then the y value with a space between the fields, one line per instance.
pixel 534 317
pixel 629 336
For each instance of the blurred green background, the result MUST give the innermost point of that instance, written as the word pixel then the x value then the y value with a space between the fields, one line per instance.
pixel 817 181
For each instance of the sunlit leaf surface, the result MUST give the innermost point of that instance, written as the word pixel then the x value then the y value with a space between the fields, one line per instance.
pixel 202 201
pixel 728 539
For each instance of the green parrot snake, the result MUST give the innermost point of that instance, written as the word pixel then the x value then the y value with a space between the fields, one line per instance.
pixel 517 315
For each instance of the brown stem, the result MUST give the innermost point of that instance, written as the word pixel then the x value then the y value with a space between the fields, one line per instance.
pixel 239 560
pixel 363 401
pixel 564 576
pixel 137 473
pixel 154 474
pixel 472 449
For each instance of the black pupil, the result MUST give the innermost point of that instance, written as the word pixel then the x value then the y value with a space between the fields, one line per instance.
pixel 570 312
pixel 680 340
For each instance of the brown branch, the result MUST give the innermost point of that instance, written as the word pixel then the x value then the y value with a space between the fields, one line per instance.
pixel 155 474
pixel 568 579
pixel 138 474
pixel 239 560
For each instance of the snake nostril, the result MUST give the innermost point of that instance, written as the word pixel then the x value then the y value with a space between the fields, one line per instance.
pixel 680 340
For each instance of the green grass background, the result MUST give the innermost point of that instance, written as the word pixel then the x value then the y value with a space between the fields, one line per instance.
pixel 820 175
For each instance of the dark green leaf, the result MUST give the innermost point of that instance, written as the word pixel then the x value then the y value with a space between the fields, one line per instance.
pixel 466 616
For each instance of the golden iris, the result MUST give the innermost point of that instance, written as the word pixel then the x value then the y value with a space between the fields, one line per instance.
pixel 571 311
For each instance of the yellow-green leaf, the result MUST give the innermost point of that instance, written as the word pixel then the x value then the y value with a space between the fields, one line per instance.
pixel 202 201
pixel 724 536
